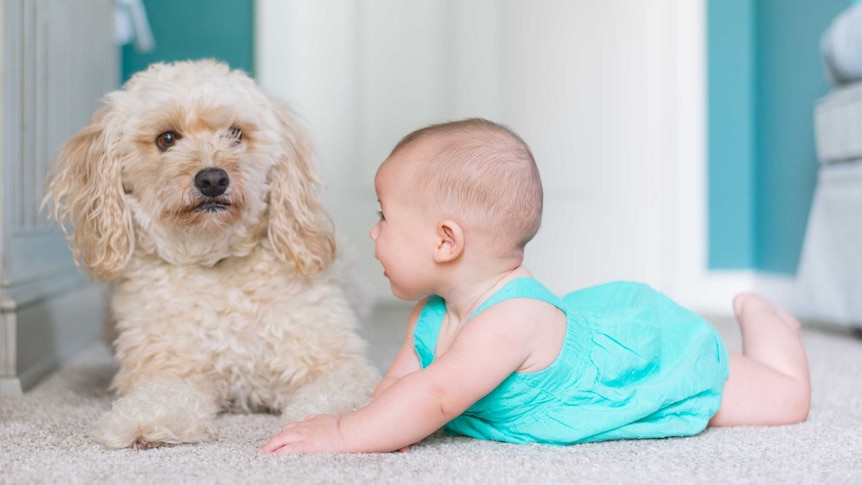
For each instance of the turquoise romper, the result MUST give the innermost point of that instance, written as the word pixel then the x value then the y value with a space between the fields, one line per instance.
pixel 634 365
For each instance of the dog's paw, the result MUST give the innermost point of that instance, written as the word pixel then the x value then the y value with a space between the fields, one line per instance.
pixel 338 393
pixel 157 414
pixel 301 408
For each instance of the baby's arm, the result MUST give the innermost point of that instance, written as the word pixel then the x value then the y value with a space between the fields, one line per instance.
pixel 485 353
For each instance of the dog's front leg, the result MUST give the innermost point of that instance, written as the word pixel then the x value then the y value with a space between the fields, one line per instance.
pixel 158 412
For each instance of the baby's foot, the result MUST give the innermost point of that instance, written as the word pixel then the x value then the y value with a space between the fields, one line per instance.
pixel 745 303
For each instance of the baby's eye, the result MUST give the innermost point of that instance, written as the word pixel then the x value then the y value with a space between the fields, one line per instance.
pixel 380 215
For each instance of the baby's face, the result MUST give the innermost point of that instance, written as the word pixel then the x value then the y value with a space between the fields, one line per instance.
pixel 403 235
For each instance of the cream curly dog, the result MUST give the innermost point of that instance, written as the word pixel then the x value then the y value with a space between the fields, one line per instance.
pixel 195 194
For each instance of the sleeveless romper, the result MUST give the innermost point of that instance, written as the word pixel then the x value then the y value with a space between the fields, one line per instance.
pixel 634 364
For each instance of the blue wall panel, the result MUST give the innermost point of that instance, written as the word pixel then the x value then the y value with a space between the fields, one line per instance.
pixel 193 29
pixel 731 104
pixel 764 75
pixel 790 78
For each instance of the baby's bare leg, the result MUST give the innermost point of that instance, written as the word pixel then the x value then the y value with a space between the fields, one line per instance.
pixel 768 382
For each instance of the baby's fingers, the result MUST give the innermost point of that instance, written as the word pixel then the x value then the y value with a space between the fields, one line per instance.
pixel 295 448
pixel 285 438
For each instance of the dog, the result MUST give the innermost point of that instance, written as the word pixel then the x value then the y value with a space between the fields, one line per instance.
pixel 194 194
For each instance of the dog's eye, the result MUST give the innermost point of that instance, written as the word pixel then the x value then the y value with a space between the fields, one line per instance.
pixel 167 140
pixel 235 134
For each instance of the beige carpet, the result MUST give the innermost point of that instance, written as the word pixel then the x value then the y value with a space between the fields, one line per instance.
pixel 43 439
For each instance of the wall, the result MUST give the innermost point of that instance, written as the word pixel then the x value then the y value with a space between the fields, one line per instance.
pixel 608 94
pixel 790 79
pixel 764 75
pixel 731 61
pixel 190 29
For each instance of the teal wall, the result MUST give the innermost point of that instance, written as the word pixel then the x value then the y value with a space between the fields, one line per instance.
pixel 193 29
pixel 764 75
pixel 731 105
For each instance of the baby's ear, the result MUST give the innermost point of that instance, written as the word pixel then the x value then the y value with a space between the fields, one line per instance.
pixel 450 241
pixel 85 189
pixel 299 227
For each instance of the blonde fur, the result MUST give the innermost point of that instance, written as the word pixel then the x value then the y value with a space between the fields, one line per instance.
pixel 294 208
pixel 237 307
pixel 86 191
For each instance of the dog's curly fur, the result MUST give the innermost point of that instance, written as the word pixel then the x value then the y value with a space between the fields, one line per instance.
pixel 225 291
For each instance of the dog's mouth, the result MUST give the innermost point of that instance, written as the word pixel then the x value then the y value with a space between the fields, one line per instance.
pixel 212 205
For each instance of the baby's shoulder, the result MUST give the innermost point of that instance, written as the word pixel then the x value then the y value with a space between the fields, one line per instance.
pixel 538 326
pixel 527 314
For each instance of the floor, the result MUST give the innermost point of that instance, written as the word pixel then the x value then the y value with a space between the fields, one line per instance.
pixel 384 329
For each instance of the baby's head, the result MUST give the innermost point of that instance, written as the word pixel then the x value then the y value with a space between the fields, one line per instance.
pixel 480 174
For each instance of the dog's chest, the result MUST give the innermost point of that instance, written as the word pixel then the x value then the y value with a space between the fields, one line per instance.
pixel 231 318
pixel 251 330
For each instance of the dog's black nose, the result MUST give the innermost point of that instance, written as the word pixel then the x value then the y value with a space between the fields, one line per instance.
pixel 212 182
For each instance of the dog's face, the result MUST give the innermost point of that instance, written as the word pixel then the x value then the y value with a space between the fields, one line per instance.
pixel 187 164
pixel 197 149
pixel 192 162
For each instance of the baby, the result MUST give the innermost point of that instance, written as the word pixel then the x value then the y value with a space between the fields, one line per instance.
pixel 491 353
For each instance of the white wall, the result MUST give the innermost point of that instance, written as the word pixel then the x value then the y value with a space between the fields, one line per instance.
pixel 609 95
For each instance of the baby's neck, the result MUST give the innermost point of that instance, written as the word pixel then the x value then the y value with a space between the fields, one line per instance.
pixel 465 297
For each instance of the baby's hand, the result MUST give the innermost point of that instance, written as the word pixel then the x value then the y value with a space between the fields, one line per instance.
pixel 318 433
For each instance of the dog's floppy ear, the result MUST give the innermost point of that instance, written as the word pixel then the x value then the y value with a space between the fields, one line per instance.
pixel 86 190
pixel 299 227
